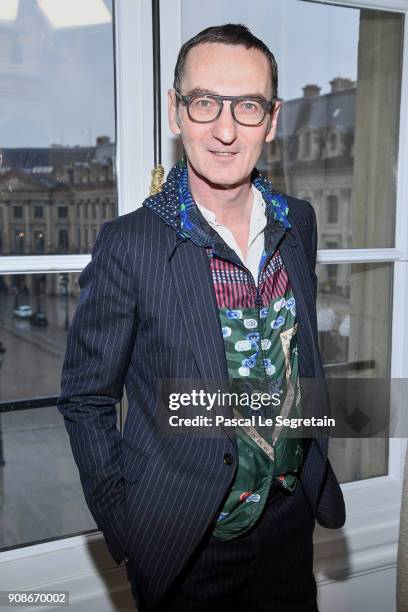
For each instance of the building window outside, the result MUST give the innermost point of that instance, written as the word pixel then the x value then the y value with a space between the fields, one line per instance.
pixel 38 212
pixel 332 244
pixel 39 242
pixel 333 142
pixel 62 212
pixel 63 240
pixel 306 148
pixel 332 272
pixel 19 241
pixel 17 212
pixel 332 209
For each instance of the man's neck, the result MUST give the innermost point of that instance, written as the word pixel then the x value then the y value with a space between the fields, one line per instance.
pixel 231 205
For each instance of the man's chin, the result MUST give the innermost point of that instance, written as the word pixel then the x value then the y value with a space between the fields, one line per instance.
pixel 220 179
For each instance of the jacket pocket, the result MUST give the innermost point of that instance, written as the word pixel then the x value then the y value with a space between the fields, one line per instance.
pixel 134 462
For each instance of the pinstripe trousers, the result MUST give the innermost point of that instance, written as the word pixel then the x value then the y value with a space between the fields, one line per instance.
pixel 269 568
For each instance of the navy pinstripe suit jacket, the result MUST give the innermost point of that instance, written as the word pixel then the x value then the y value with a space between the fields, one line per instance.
pixel 147 310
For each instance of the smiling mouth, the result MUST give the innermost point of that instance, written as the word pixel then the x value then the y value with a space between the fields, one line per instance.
pixel 224 153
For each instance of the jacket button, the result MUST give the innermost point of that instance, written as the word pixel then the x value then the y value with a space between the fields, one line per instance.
pixel 228 459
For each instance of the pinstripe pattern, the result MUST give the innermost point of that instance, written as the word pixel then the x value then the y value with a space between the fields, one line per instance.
pixel 268 568
pixel 147 311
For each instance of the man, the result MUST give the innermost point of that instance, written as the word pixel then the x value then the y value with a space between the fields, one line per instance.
pixel 213 280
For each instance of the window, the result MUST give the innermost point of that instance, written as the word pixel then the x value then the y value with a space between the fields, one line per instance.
pixel 330 129
pixel 332 144
pixel 63 240
pixel 274 151
pixel 39 241
pixel 305 144
pixel 339 140
pixel 332 244
pixel 66 72
pixel 323 119
pixel 64 123
pixel 19 241
pixel 332 209
pixel 39 430
pixel 354 322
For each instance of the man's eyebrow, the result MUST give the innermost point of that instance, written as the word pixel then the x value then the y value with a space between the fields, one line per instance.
pixel 202 90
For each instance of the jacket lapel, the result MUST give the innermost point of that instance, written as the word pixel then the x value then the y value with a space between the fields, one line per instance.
pixel 313 388
pixel 196 298
pixel 296 265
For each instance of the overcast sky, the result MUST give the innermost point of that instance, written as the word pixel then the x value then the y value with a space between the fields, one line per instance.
pixel 56 86
pixel 58 82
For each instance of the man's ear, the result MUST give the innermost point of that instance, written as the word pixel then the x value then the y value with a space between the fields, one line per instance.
pixel 174 121
pixel 270 135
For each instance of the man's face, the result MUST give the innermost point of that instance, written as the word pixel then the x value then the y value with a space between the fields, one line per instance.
pixel 224 70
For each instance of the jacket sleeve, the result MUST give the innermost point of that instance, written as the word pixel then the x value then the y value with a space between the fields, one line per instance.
pixel 99 347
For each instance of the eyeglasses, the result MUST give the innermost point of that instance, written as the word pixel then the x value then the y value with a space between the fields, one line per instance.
pixel 204 108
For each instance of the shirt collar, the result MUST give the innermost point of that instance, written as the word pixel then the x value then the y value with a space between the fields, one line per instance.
pixel 175 205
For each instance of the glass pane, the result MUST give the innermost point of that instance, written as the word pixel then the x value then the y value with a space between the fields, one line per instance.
pixel 35 453
pixel 35 311
pixel 354 307
pixel 36 457
pixel 57 127
pixel 336 143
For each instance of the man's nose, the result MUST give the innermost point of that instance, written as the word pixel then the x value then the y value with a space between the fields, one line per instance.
pixel 225 127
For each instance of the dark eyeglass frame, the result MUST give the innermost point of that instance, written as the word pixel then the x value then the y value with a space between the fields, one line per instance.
pixel 267 105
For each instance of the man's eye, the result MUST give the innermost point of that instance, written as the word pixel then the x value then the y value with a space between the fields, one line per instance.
pixel 203 103
pixel 249 107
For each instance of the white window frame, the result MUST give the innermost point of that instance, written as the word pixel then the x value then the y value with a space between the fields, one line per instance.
pixel 373 505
